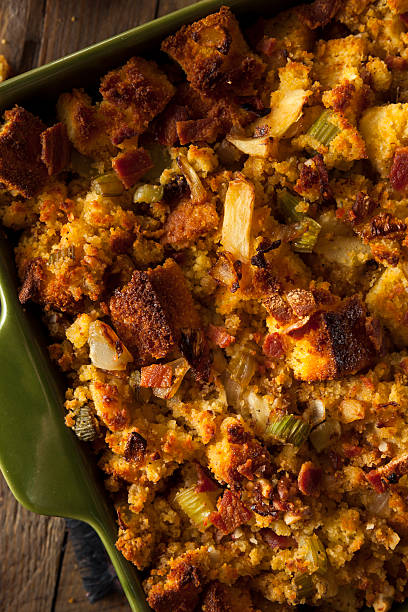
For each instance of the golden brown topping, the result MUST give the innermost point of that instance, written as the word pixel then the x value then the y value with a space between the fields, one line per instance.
pixel 189 221
pixel 21 168
pixel 55 148
pixel 215 56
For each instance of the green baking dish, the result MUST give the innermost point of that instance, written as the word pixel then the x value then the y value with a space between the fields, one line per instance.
pixel 45 466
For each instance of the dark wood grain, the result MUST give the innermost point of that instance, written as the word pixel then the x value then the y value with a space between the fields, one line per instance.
pixel 38 571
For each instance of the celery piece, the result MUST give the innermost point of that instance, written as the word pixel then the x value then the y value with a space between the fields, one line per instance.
pixel 323 130
pixel 304 586
pixel 290 429
pixel 287 203
pixel 315 554
pixel 310 233
pixel 148 193
pixel 84 426
pixel 197 506
pixel 108 185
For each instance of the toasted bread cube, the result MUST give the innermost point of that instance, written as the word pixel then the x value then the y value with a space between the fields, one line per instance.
pixel 152 309
pixel 388 300
pixel 85 125
pixel 339 59
pixel 21 168
pixel 384 129
pixel 333 343
pixel 5 69
pixel 215 56
pixel 132 96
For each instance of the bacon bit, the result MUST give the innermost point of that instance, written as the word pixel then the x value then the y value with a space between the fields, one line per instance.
pixel 165 126
pixel 261 507
pixel 55 148
pixel 351 450
pixel 319 13
pixel 309 479
pixel 275 541
pixel 219 336
pixel 314 174
pixel 156 375
pixel 362 207
pixel 396 62
pixel 198 130
pixel 231 513
pixel 272 346
pixel 131 165
pixel 399 169
pixel 204 482
pixel 135 447
pixel 375 480
pixel 335 460
pixel 267 45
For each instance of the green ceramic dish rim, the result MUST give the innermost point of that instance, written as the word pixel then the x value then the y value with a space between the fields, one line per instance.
pixel 67 485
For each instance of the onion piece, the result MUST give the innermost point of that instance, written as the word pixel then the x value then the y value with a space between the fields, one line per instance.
pixel 378 503
pixel 238 213
pixel 242 367
pixel 198 192
pixel 258 147
pixel 324 434
pixel 287 106
pixel 106 350
pixel 352 410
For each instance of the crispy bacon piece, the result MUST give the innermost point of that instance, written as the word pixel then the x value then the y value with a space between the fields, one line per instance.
pixel 314 175
pixel 272 346
pixel 21 168
pixel 198 130
pixel 319 13
pixel 396 62
pixel 204 482
pixel 275 541
pixel 135 447
pixel 261 507
pixel 309 479
pixel 165 126
pixel 215 56
pixel 180 592
pixel 231 513
pixel 156 375
pixel 55 148
pixel 387 474
pixel 131 165
pixel 399 169
pixel 362 207
pixel 219 336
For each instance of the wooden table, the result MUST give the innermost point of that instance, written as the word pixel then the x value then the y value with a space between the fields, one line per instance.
pixel 37 563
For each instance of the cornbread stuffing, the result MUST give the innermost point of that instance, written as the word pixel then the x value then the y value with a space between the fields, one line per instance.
pixel 218 245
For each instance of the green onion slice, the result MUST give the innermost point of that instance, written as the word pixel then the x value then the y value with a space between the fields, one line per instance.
pixel 290 429
pixel 108 185
pixel 148 193
pixel 315 554
pixel 323 130
pixel 84 425
pixel 304 586
pixel 197 506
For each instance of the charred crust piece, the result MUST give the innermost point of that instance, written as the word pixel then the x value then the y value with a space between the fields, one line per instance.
pixel 33 277
pixel 135 447
pixel 189 221
pixel 21 168
pixel 260 506
pixel 152 309
pixel 215 56
pixel 195 349
pixel 180 592
pixel 319 13
pixel 132 96
pixel 384 225
pixel 399 169
pixel 231 513
pixel 131 165
pixel 388 474
pixel 216 599
pixel 55 148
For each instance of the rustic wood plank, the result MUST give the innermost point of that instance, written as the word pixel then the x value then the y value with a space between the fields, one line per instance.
pixel 70 25
pixel 167 6
pixel 30 552
pixel 71 594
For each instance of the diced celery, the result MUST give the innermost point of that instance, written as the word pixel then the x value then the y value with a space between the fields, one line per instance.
pixel 323 130
pixel 84 425
pixel 304 586
pixel 288 203
pixel 197 506
pixel 290 429
pixel 315 553
pixel 148 193
pixel 310 233
pixel 307 227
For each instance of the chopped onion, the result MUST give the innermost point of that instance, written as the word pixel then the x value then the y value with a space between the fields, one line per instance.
pixel 324 434
pixel 238 213
pixel 259 408
pixel 287 106
pixel 197 506
pixel 233 391
pixel 106 351
pixel 352 410
pixel 180 368
pixel 198 193
pixel 242 367
pixel 378 503
pixel 316 412
pixel 258 147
